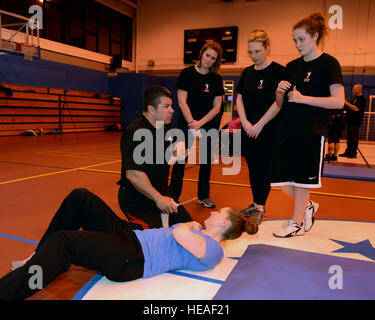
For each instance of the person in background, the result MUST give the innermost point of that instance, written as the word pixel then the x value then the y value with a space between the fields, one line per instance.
pixel 354 111
pixel 336 127
pixel 234 124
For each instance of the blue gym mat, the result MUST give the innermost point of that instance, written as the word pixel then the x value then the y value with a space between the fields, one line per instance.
pixel 345 172
pixel 272 273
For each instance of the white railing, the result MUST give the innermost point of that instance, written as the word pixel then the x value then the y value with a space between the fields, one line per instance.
pixel 369 113
pixel 9 35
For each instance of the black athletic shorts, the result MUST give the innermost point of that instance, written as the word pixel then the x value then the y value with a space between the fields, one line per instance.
pixel 298 161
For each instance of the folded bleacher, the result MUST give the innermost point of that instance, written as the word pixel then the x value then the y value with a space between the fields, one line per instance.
pixel 34 108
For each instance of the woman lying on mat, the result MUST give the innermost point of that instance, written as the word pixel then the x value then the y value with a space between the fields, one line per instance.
pixel 117 249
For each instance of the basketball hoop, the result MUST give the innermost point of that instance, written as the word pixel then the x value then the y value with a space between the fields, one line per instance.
pixel 27 50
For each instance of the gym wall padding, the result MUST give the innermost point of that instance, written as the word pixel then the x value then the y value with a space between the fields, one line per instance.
pixel 127 86
pixel 16 70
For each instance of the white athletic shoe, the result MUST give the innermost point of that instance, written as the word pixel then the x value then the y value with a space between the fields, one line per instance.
pixel 17 264
pixel 310 211
pixel 290 229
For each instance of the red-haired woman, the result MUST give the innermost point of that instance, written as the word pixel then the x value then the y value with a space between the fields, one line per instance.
pixel 313 85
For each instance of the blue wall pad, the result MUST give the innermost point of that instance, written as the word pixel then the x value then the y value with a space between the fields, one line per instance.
pixel 273 273
pixel 43 73
pixel 345 172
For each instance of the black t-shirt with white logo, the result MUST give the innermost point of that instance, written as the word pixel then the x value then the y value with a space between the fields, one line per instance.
pixel 258 88
pixel 202 90
pixel 311 78
pixel 141 140
pixel 352 117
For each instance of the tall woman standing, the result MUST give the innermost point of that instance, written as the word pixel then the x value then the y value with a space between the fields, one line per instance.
pixel 199 92
pixel 256 105
pixel 313 85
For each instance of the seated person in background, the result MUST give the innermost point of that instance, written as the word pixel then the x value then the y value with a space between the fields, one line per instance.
pixel 144 191
pixel 233 124
pixel 114 248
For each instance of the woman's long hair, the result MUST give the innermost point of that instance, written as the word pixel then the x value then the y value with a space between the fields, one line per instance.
pixel 214 46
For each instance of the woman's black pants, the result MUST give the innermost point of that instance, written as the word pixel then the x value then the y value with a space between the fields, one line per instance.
pixel 106 244
pixel 178 170
pixel 258 155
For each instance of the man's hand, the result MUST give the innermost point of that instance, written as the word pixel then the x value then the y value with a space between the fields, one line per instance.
pixel 166 204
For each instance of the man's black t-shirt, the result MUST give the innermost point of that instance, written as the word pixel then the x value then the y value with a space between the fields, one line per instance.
pixel 311 78
pixel 202 90
pixel 146 155
pixel 352 117
pixel 258 88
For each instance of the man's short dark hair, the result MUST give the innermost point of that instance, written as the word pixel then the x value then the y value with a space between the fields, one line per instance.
pixel 152 96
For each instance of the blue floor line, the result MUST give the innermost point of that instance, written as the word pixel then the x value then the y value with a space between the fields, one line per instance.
pixel 194 276
pixel 18 238
pixel 88 285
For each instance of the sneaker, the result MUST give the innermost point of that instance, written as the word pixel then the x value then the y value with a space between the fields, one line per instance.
pixel 290 229
pixel 249 209
pixel 327 157
pixel 17 264
pixel 208 203
pixel 258 215
pixel 310 212
pixel 333 159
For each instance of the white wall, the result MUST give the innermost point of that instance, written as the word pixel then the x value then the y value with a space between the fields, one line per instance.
pixel 162 24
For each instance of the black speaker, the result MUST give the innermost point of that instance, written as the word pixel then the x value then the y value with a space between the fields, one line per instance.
pixel 116 61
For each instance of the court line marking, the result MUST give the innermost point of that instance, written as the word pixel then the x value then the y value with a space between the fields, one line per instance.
pixel 31 164
pixel 248 186
pixel 88 168
pixel 87 286
pixel 94 280
pixel 18 238
pixel 75 156
pixel 274 188
pixel 194 276
pixel 99 170
pixel 58 172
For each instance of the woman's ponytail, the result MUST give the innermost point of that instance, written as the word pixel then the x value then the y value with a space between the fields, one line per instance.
pixel 239 224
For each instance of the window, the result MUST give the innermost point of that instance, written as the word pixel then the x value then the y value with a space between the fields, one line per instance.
pixel 81 23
